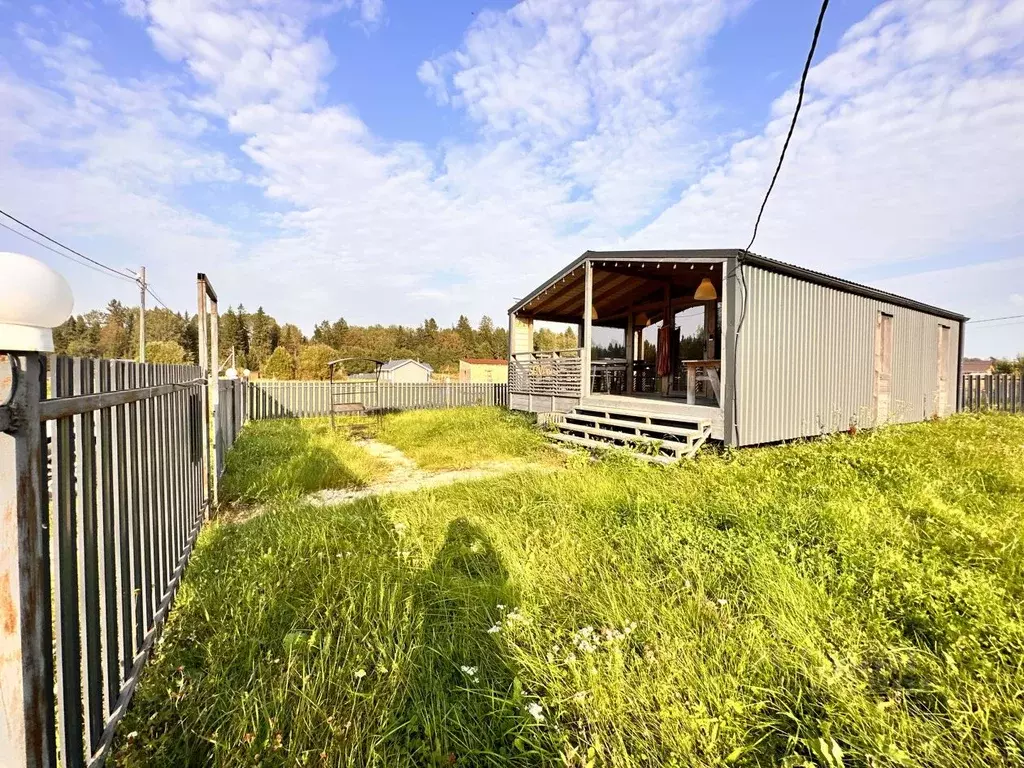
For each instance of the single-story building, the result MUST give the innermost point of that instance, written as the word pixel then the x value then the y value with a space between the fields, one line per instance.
pixel 479 370
pixel 405 372
pixel 776 352
pixel 977 365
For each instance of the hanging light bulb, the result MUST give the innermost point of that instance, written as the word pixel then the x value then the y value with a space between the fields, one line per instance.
pixel 642 319
pixel 705 291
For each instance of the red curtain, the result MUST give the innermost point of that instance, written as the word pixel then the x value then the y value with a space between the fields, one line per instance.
pixel 664 359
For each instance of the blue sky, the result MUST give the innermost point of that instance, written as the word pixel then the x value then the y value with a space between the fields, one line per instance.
pixel 389 160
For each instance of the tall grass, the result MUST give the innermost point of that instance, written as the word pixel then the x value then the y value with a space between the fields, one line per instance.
pixel 460 438
pixel 850 601
pixel 292 456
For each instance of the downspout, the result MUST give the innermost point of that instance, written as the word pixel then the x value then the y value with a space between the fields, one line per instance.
pixel 735 396
pixel 960 369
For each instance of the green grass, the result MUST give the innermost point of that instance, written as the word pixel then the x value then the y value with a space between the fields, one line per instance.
pixel 849 601
pixel 292 456
pixel 461 438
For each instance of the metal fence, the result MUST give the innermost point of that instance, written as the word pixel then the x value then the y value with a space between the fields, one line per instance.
pixel 275 399
pixel 231 417
pixel 993 392
pixel 104 484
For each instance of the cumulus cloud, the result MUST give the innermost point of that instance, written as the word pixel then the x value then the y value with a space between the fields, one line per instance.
pixel 585 120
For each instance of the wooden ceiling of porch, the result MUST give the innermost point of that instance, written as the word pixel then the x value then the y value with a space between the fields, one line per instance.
pixel 621 287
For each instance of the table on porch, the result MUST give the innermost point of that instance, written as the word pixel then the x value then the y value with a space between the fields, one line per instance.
pixel 711 370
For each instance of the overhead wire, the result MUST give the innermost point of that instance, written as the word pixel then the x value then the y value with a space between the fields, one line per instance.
pixel 56 242
pixel 83 260
pixel 792 125
pixel 61 253
pixel 760 213
pixel 994 319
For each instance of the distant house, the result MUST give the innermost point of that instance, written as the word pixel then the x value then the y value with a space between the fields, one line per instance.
pixel 405 372
pixel 478 370
pixel 977 365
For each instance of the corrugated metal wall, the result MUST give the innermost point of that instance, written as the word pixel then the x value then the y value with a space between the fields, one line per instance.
pixel 807 356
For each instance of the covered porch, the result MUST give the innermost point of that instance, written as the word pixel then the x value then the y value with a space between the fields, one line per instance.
pixel 649 331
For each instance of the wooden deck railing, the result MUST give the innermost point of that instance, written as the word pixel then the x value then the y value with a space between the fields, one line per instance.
pixel 555 372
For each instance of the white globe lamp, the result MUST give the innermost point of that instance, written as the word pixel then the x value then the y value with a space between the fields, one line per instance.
pixel 34 299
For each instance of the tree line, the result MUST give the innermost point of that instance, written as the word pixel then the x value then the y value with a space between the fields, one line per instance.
pixel 258 342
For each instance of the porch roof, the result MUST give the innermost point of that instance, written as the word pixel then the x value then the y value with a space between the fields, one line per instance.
pixel 623 279
pixel 560 298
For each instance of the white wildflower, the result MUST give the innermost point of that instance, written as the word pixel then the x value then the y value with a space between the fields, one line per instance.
pixel 536 711
pixel 501 607
pixel 585 640
pixel 400 528
pixel 468 670
pixel 571 658
pixel 722 601
pixel 360 674
pixel 495 629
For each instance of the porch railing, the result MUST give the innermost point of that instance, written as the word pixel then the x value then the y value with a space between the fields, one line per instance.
pixel 556 372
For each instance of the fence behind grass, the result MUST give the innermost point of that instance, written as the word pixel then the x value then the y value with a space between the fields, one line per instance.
pixel 274 399
pixel 109 489
pixel 993 392
pixel 231 417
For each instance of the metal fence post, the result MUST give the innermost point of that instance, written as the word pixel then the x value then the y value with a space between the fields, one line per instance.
pixel 28 727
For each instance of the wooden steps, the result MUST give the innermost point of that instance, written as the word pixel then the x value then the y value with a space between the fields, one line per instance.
pixel 654 436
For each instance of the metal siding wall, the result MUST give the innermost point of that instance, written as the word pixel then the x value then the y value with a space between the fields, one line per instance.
pixel 806 360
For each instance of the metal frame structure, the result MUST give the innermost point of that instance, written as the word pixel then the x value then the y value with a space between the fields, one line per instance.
pixel 348 407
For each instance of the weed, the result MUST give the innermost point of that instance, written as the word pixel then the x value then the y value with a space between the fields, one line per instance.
pixel 841 602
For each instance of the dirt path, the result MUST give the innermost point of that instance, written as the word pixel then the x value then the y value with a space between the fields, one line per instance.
pixel 406 475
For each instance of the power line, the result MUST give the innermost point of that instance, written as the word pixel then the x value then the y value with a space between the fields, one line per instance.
pixel 43 235
pixel 61 253
pixel 993 319
pixel 158 299
pixel 792 125
pixel 88 262
pixel 999 325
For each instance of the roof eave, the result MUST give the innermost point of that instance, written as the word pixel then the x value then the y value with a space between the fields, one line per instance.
pixel 847 286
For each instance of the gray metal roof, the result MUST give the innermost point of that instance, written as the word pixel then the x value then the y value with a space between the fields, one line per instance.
pixel 741 256
pixel 392 365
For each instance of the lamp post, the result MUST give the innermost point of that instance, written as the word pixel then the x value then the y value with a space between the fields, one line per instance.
pixel 33 300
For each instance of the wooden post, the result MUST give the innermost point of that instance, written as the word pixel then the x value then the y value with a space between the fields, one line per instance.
pixel 28 725
pixel 669 322
pixel 588 308
pixel 204 366
pixel 629 352
pixel 710 329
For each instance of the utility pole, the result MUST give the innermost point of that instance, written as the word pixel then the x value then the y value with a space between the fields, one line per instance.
pixel 141 280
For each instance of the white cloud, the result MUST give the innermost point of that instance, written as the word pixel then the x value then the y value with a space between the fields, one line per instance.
pixel 907 147
pixel 586 116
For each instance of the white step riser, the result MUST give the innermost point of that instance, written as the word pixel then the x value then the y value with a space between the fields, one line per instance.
pixel 594 444
pixel 624 439
pixel 591 421
pixel 590 426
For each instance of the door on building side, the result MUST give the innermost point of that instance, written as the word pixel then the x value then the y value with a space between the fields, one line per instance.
pixel 942 365
pixel 883 368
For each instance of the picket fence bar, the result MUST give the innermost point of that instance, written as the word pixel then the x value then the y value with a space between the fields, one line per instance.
pixel 993 392
pixel 108 486
pixel 231 417
pixel 281 399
